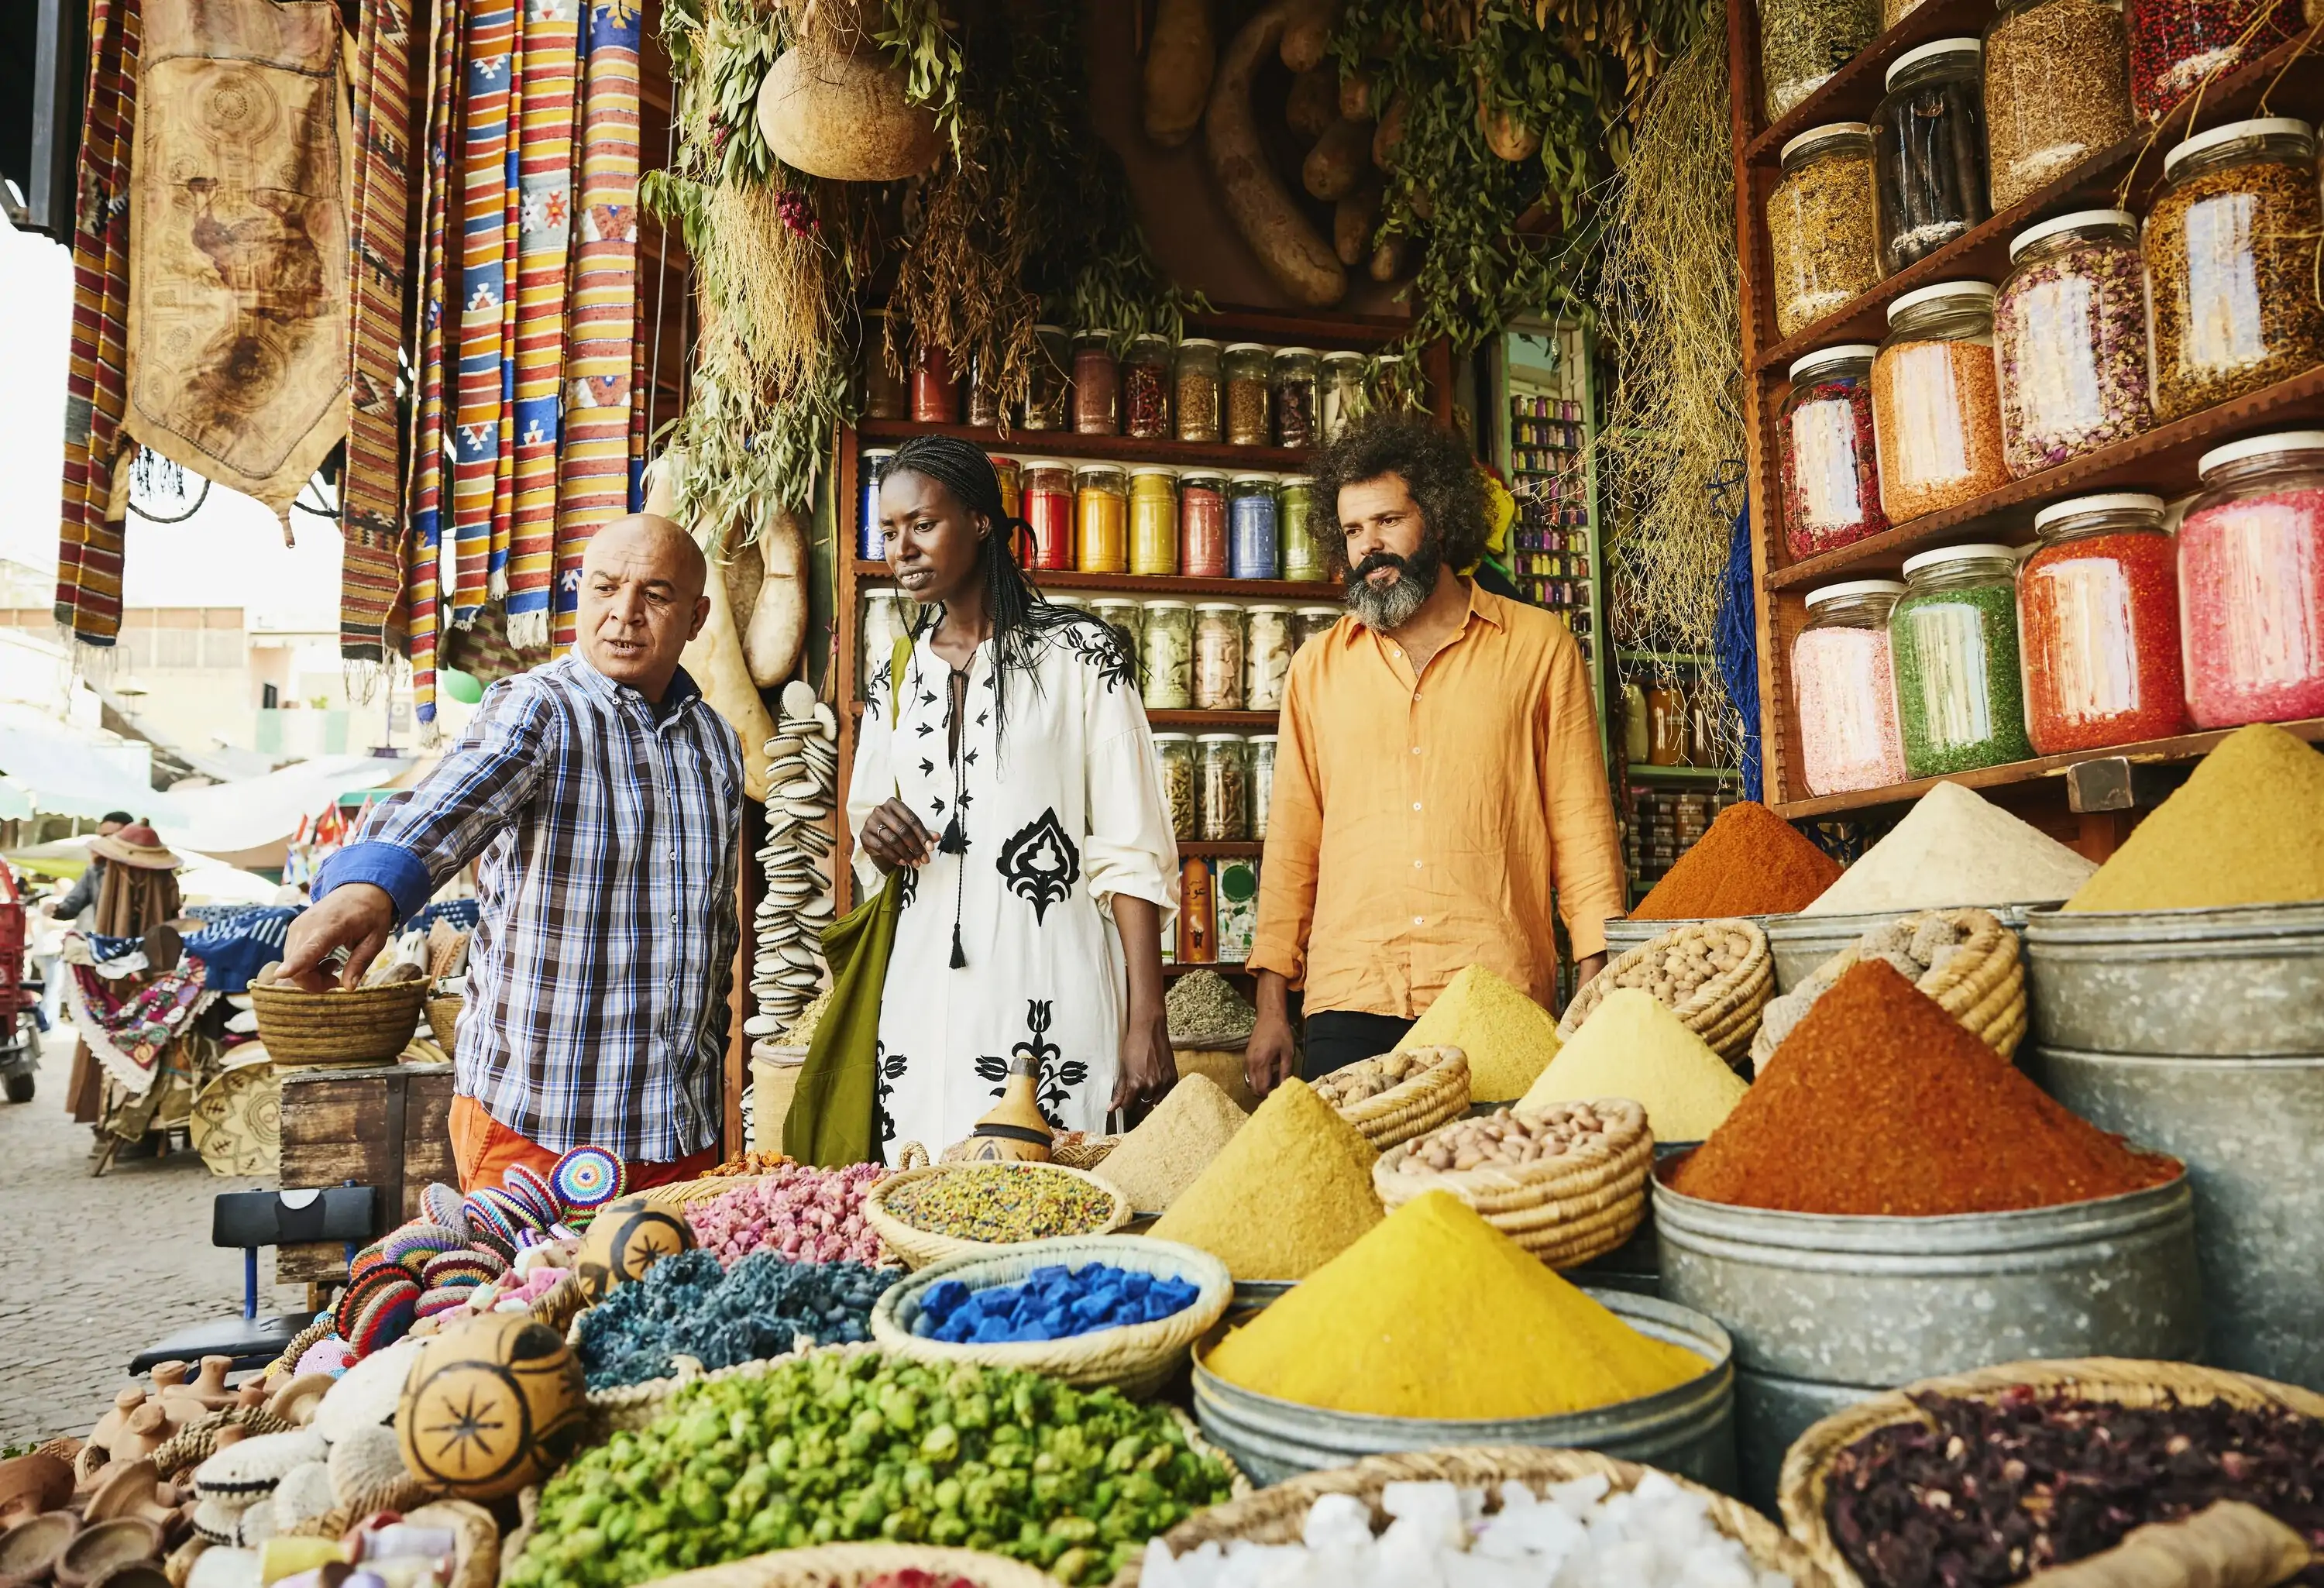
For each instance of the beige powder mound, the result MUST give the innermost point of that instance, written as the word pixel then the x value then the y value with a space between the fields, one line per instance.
pixel 1954 849
pixel 1172 1145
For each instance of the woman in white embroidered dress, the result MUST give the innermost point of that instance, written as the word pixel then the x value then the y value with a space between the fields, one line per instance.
pixel 1011 771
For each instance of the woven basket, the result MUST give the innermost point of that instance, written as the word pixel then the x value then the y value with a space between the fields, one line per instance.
pixel 1982 985
pixel 2120 1381
pixel 361 1025
pixel 1565 1211
pixel 560 1304
pixel 444 1019
pixel 918 1247
pixel 1139 1359
pixel 305 1339
pixel 1723 1011
pixel 848 1566
pixel 1276 1515
pixel 1412 1107
pixel 627 1408
pixel 1084 1154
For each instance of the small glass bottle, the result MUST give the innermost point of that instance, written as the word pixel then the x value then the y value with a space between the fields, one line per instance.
pixel 1292 382
pixel 871 469
pixel 1343 392
pixel 1928 151
pixel 1841 688
pixel 984 396
pixel 1309 622
pixel 1197 388
pixel 1226 787
pixel 1049 389
pixel 1936 408
pixel 2251 582
pixel 1175 753
pixel 2098 616
pixel 1097 386
pixel 1202 525
pixel 1048 491
pixel 1245 367
pixel 1266 657
pixel 2070 339
pixel 1153 521
pixel 1262 780
pixel 1952 636
pixel 887 393
pixel 1303 554
pixel 1168 651
pixel 1011 475
pixel 1101 519
pixel 1255 539
pixel 1146 387
pixel 936 390
pixel 1821 239
pixel 1218 656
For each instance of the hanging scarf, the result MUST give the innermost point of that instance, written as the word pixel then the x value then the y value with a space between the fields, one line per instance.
pixel 544 231
pixel 425 547
pixel 504 460
pixel 129 1029
pixel 483 285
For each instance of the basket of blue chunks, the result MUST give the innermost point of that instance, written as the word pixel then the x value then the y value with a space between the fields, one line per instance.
pixel 1089 1309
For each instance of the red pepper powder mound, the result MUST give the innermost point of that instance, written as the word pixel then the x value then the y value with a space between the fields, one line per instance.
pixel 1749 861
pixel 1879 1102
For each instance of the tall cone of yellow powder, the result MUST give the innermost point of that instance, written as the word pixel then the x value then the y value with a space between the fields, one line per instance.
pixel 1632 1046
pixel 2246 827
pixel 1287 1194
pixel 1436 1314
pixel 1507 1037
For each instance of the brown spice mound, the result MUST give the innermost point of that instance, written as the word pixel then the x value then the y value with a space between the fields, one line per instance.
pixel 1880 1103
pixel 1751 862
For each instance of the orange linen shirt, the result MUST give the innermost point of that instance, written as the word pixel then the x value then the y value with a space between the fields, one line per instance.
pixel 1420 825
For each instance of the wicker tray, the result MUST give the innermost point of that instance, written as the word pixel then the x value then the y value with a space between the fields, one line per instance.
pixel 362 1025
pixel 1139 1359
pixel 444 1019
pixel 1982 986
pixel 1274 1515
pixel 916 1247
pixel 2119 1379
pixel 1724 1011
pixel 1565 1211
pixel 848 1566
pixel 1412 1107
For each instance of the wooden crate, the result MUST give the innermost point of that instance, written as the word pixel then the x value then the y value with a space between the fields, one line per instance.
pixel 383 1125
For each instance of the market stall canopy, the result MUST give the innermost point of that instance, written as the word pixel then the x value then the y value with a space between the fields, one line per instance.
pixel 203 879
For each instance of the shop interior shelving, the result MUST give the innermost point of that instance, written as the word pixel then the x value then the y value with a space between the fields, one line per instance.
pixel 2288 81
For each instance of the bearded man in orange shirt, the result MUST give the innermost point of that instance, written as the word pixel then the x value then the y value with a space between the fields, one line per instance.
pixel 1440 788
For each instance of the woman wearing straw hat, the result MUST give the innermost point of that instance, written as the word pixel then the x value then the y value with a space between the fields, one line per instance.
pixel 138 892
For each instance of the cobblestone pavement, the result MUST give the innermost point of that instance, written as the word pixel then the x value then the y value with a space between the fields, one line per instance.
pixel 95 1271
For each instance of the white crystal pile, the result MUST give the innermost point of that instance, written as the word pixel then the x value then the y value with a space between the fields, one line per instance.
pixel 1575 1536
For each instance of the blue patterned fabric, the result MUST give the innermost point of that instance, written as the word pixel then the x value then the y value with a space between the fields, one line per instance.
pixel 237 942
pixel 1738 647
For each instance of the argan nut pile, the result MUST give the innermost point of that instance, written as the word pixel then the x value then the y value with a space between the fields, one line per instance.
pixel 1506 1139
pixel 1360 1083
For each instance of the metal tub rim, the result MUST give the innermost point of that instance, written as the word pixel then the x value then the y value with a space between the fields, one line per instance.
pixel 2241 931
pixel 2013 912
pixel 2259 1061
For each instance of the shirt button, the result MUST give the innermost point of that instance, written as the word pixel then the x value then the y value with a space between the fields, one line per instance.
pixel 1416 805
pixel 1415 749
pixel 1416 865
pixel 1419 921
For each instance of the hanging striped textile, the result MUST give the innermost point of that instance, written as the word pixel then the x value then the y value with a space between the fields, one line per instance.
pixel 640 400
pixel 544 233
pixel 484 287
pixel 426 543
pixel 504 461
pixel 593 487
pixel 371 500
pixel 89 543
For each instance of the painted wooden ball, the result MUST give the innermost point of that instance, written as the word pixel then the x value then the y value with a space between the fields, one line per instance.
pixel 493 1404
pixel 626 1237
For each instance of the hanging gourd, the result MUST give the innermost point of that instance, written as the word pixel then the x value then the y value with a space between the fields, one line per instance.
pixel 832 105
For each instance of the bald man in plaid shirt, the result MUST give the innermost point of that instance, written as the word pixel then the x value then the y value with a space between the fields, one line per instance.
pixel 601 798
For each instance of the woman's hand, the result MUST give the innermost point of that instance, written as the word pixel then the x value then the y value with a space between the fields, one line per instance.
pixel 893 837
pixel 1147 1069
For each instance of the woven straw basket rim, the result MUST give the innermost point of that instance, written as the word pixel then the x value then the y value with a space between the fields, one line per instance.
pixel 1563 1218
pixel 357 1025
pixel 1982 986
pixel 1275 1514
pixel 846 1565
pixel 1511 1188
pixel 2129 1381
pixel 918 1247
pixel 1723 1011
pixel 1415 1105
pixel 1137 1359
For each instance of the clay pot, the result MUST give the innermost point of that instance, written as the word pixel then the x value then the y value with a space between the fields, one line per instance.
pixel 29 1550
pixel 135 1574
pixel 146 1431
pixel 97 1549
pixel 110 1426
pixel 30 1484
pixel 132 1489
pixel 296 1401
pixel 210 1385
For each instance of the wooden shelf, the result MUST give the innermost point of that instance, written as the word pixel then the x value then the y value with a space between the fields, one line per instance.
pixel 1181 722
pixel 1022 444
pixel 1683 774
pixel 1274 592
pixel 1225 967
pixel 1243 849
pixel 1852 92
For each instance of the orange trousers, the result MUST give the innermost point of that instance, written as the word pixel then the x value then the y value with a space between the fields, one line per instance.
pixel 485 1149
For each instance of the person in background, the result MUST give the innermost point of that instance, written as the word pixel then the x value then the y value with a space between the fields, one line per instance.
pixel 1439 786
pixel 84 893
pixel 601 799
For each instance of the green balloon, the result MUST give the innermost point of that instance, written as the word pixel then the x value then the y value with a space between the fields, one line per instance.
pixel 461 686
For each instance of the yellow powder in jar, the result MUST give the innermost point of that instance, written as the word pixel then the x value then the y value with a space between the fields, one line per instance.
pixel 1160 1158
pixel 1436 1314
pixel 2246 827
pixel 1288 1194
pixel 1632 1046
pixel 1507 1037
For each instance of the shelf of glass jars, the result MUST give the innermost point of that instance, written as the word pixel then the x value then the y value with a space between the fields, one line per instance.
pixel 1664 658
pixel 2182 747
pixel 1022 443
pixel 1221 849
pixel 1645 772
pixel 1194 721
pixel 1982 254
pixel 2161 460
pixel 1305 592
pixel 1225 967
pixel 1852 92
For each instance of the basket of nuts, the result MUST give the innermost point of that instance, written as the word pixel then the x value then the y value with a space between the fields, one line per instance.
pixel 1965 959
pixel 1399 1095
pixel 1566 1181
pixel 1714 975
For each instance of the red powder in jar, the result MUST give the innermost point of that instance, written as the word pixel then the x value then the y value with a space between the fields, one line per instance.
pixel 1750 861
pixel 1203 529
pixel 2099 621
pixel 1831 477
pixel 2251 574
pixel 1049 510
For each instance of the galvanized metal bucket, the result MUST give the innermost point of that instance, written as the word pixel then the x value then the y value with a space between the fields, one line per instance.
pixel 2246 982
pixel 1623 934
pixel 2251 1131
pixel 1799 942
pixel 1253 1297
pixel 1827 1310
pixel 1689 1429
pixel 1636 1265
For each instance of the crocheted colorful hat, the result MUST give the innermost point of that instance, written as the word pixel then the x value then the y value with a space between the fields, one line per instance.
pixel 488 1238
pixel 443 1298
pixel 328 1355
pixel 587 1178
pixel 250 1467
pixel 442 1204
pixel 510 1211
pixel 386 1317
pixel 533 1192
pixel 361 1288
pixel 367 1256
pixel 412 1244
pixel 467 1266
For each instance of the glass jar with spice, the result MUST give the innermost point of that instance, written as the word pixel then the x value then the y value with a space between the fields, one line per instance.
pixel 1010 474
pixel 1245 369
pixel 1218 656
pixel 1665 725
pixel 1202 525
pixel 1293 380
pixel 871 469
pixel 1226 787
pixel 1101 519
pixel 984 394
pixel 1175 753
pixel 1341 392
pixel 1842 689
pixel 887 393
pixel 2251 582
pixel 1049 389
pixel 1802 43
pixel 1197 388
pixel 1146 387
pixel 1097 386
pixel 1168 650
pixel 1302 555
pixel 935 389
pixel 1928 151
pixel 1936 411
pixel 1153 521
pixel 2057 90
pixel 2231 249
pixel 1048 494
pixel 1820 230
pixel 1952 637
pixel 1127 619
pixel 1830 471
pixel 2098 616
pixel 2070 339
pixel 1893 12
pixel 1254 538
pixel 1262 780
pixel 1266 657
pixel 2178 45
pixel 1308 622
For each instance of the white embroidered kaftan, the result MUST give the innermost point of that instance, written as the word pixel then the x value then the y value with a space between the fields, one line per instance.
pixel 1066 812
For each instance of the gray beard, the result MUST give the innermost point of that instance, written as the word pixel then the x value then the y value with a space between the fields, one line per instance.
pixel 1386 611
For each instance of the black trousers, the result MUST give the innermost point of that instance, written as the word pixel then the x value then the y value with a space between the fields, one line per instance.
pixel 1338 1037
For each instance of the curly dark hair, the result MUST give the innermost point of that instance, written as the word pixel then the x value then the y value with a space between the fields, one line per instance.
pixel 1435 465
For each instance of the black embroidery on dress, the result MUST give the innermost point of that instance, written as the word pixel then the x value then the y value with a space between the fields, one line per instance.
pixel 1041 864
pixel 927 766
pixel 937 805
pixel 887 1069
pixel 908 889
pixel 881 681
pixel 1055 1082
pixel 1102 647
pixel 925 729
pixel 979 722
pixel 969 756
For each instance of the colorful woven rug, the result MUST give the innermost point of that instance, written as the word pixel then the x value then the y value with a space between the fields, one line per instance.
pixel 129 1030
pixel 424 547
pixel 544 231
pixel 484 287
pixel 238 233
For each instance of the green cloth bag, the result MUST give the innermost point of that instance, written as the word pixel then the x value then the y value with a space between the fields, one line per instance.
pixel 830 1120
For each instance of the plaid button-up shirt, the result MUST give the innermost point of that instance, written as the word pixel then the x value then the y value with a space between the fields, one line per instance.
pixel 604 833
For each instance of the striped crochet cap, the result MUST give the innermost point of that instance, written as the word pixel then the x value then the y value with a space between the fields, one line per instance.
pixel 386 1316
pixel 511 1213
pixel 527 1186
pixel 361 1288
pixel 367 1256
pixel 467 1266
pixel 412 1244
pixel 443 1298
pixel 441 1203
pixel 493 1240
pixel 587 1178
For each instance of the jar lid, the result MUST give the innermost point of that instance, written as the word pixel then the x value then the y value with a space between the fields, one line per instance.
pixel 1198 342
pixel 1218 738
pixel 1094 331
pixel 1044 327
pixel 1295 479
pixel 1944 554
pixel 997 461
pixel 1097 468
pixel 2260 446
pixel 1216 607
pixel 1254 479
pixel 1255 611
pixel 1099 601
pixel 1331 611
pixel 1246 346
pixel 1856 587
pixel 1342 355
pixel 1931 294
pixel 1829 356
pixel 1294 352
pixel 1930 51
pixel 1159 605
pixel 1047 463
pixel 2262 127
pixel 1174 738
pixel 2105 501
pixel 1828 129
pixel 1264 738
pixel 2080 217
pixel 1213 476
pixel 1153 468
pixel 1150 337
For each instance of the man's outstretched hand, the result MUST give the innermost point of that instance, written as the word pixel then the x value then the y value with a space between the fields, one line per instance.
pixel 354 915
